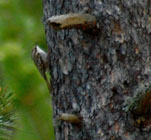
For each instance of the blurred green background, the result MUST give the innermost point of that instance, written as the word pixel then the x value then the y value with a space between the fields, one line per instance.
pixel 20 29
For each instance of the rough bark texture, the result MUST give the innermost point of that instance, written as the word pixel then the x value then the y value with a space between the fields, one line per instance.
pixel 94 73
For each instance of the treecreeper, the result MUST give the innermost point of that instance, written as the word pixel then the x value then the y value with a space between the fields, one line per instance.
pixel 40 60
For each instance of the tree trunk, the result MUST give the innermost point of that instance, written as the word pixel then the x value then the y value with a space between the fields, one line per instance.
pixel 98 75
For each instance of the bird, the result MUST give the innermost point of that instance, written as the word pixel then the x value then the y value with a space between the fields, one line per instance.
pixel 40 60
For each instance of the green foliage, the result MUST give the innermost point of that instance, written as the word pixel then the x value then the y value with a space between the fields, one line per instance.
pixel 20 29
pixel 7 114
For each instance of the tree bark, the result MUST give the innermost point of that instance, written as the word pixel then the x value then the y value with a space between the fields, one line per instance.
pixel 94 73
